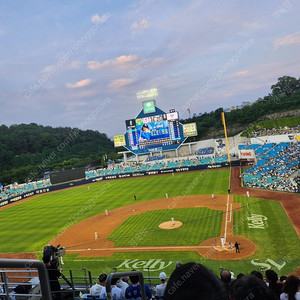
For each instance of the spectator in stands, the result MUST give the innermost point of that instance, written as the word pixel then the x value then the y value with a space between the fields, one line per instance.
pixel 250 287
pixel 53 273
pixel 283 278
pixel 194 281
pixel 123 284
pixel 257 274
pixel 290 290
pixel 134 290
pixel 20 289
pixel 225 277
pixel 271 279
pixel 116 292
pixel 95 290
pixel 160 288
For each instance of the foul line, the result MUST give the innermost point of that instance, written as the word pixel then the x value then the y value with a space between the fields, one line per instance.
pixel 139 248
pixel 226 217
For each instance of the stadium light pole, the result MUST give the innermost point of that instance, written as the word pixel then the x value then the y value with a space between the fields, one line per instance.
pixel 226 139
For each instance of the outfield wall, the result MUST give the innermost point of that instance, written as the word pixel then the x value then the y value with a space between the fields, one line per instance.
pixel 113 177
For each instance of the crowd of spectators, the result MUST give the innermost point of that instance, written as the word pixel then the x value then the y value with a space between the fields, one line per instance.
pixel 16 189
pixel 276 131
pixel 155 164
pixel 195 281
pixel 277 171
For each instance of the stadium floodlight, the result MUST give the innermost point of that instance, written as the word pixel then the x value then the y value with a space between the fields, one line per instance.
pixel 147 94
pixel 226 139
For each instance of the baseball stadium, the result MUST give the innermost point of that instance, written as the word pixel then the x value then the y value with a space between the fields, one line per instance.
pixel 227 203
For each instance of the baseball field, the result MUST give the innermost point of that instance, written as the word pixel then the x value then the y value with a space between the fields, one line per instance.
pixel 128 236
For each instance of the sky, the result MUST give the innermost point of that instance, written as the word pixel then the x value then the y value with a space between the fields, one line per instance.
pixel 81 63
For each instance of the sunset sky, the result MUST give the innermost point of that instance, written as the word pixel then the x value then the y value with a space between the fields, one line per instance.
pixel 65 62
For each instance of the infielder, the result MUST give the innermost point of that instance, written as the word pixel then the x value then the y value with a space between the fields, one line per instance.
pixel 223 241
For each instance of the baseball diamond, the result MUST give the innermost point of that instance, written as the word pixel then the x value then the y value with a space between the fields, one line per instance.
pixel 130 230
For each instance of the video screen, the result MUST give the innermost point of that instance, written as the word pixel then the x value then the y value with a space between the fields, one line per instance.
pixel 119 140
pixel 155 130
pixel 67 175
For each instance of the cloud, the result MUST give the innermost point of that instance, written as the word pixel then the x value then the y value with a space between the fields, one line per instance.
pixel 48 69
pixel 118 83
pixel 96 19
pixel 253 25
pixel 116 62
pixel 75 65
pixel 228 95
pixel 79 84
pixel 143 24
pixel 244 73
pixel 287 40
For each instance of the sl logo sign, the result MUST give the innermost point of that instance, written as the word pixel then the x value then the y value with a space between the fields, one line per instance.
pixel 268 264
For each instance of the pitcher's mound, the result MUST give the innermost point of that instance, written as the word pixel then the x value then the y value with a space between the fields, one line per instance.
pixel 170 225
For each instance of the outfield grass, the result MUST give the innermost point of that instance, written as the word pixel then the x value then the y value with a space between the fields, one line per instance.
pixel 30 225
pixel 199 224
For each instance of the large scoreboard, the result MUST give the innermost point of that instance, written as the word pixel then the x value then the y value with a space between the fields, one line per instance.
pixel 154 132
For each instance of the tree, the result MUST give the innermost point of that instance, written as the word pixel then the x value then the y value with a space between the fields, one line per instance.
pixel 286 86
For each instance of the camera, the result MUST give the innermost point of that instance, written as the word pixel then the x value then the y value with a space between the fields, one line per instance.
pixel 54 253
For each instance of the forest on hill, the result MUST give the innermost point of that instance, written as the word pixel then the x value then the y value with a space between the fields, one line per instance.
pixel 284 98
pixel 27 150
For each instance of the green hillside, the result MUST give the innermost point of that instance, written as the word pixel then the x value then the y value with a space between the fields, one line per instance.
pixel 28 149
pixel 270 124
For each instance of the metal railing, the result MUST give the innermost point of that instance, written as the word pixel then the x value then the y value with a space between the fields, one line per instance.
pixel 24 266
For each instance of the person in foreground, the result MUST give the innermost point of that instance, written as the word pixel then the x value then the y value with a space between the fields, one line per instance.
pixel 160 288
pixel 115 291
pixel 250 287
pixel 95 290
pixel 134 290
pixel 194 281
pixel 291 289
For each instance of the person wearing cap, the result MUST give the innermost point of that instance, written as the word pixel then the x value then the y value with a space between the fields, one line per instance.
pixel 145 132
pixel 160 288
